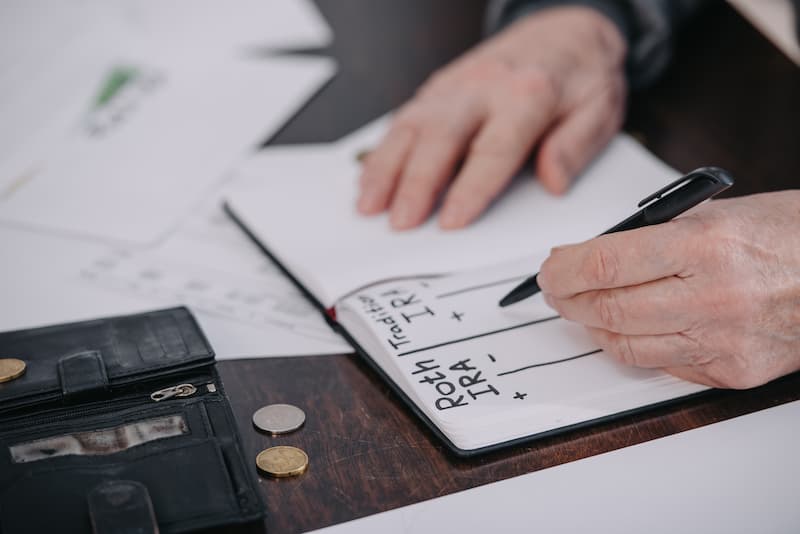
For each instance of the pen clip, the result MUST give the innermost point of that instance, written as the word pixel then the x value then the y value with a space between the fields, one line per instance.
pixel 666 189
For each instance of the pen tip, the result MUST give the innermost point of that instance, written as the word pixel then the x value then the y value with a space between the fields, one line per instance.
pixel 508 300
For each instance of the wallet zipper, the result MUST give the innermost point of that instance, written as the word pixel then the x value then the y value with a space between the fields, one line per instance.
pixel 180 391
pixel 177 391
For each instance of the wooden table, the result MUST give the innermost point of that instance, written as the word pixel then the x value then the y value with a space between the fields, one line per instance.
pixel 729 99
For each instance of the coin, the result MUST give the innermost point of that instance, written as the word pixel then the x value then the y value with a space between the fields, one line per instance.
pixel 279 418
pixel 11 368
pixel 282 461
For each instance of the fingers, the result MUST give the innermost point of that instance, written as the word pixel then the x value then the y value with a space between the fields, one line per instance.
pixel 617 260
pixel 676 354
pixel 486 172
pixel 439 147
pixel 497 153
pixel 665 306
pixel 382 168
pixel 668 350
pixel 417 158
pixel 572 145
pixel 495 118
pixel 698 376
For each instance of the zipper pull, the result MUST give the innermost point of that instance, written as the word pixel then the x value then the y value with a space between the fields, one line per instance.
pixel 182 390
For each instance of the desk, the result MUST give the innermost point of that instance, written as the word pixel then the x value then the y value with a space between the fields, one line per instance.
pixel 729 99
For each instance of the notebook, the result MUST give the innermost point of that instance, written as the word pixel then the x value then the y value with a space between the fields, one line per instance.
pixel 421 305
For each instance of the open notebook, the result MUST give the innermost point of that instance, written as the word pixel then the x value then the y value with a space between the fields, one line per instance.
pixel 421 306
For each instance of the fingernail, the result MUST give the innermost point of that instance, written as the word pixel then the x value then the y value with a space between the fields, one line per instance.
pixel 549 300
pixel 402 217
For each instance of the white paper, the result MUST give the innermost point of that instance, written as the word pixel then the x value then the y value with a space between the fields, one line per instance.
pixel 204 26
pixel 776 20
pixel 48 280
pixel 199 28
pixel 131 179
pixel 99 225
pixel 30 29
pixel 303 210
pixel 54 56
pixel 208 264
pixel 737 476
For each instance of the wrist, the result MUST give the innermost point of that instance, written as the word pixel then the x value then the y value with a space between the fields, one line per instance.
pixel 589 32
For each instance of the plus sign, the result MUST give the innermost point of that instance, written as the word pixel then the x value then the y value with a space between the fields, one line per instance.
pixel 457 316
pixel 520 396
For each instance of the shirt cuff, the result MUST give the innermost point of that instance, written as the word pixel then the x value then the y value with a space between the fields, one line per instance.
pixel 644 26
pixel 502 13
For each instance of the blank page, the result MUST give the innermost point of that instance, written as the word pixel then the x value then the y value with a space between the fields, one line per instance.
pixel 302 209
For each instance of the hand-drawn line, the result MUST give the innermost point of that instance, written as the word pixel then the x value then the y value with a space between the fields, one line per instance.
pixel 457 316
pixel 549 363
pixel 482 286
pixel 529 323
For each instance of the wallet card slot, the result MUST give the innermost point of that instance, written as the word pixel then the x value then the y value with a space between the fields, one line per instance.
pixel 189 484
pixel 193 415
pixel 99 442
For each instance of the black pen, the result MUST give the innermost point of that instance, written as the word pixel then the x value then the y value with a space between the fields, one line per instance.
pixel 663 205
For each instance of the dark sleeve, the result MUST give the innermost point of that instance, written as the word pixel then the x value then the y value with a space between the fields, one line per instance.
pixel 796 4
pixel 649 26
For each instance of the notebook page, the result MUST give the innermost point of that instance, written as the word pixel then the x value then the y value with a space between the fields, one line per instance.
pixel 486 374
pixel 303 210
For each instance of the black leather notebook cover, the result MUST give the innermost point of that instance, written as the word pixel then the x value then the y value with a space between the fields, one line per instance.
pixel 119 423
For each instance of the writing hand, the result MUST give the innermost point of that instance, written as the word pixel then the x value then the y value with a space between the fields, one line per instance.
pixel 555 78
pixel 712 297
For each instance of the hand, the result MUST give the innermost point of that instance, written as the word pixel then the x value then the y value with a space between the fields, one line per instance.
pixel 554 78
pixel 712 297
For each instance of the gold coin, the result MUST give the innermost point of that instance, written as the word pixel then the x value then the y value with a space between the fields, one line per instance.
pixel 11 368
pixel 282 461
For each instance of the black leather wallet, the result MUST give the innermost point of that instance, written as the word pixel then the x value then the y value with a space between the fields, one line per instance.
pixel 119 425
